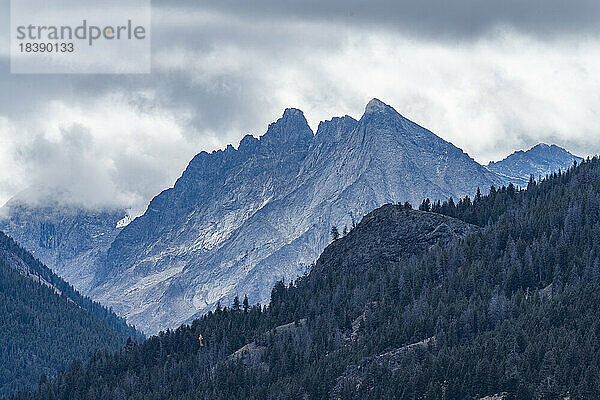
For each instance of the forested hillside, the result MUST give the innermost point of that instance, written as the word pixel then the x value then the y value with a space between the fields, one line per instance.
pixel 498 296
pixel 45 323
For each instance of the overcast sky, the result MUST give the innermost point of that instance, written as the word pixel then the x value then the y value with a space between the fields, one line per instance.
pixel 491 77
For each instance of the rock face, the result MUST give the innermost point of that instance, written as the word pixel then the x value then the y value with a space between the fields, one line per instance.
pixel 387 234
pixel 538 161
pixel 240 219
pixel 71 240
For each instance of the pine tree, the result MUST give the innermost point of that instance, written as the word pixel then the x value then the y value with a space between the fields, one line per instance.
pixel 335 234
pixel 246 304
pixel 425 205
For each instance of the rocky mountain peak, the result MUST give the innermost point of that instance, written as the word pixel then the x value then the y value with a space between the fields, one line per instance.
pixel 237 221
pixel 335 128
pixel 248 143
pixel 293 113
pixel 550 151
pixel 381 116
pixel 292 128
pixel 542 146
pixel 378 106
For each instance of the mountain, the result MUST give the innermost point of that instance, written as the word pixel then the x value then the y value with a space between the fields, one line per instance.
pixel 394 229
pixel 538 161
pixel 71 239
pixel 45 323
pixel 495 298
pixel 238 220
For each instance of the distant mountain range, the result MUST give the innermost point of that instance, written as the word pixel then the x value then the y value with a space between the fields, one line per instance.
pixel 45 323
pixel 538 161
pixel 238 220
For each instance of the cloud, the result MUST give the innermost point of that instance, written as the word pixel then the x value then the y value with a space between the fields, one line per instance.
pixel 491 96
pixel 438 19
pixel 115 151
pixel 220 72
pixel 12 174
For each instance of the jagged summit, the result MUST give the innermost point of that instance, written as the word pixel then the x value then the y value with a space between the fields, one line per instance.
pixel 376 105
pixel 335 128
pixel 292 112
pixel 543 146
pixel 290 117
pixel 248 142
pixel 291 128
pixel 552 150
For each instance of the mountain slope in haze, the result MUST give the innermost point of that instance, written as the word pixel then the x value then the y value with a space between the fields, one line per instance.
pixel 538 161
pixel 69 239
pixel 239 220
pixel 45 323
pixel 408 305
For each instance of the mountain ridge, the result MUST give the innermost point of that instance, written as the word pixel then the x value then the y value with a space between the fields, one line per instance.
pixel 45 323
pixel 70 238
pixel 238 220
pixel 484 298
pixel 539 161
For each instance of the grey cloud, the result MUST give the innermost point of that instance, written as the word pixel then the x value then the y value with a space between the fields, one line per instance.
pixel 70 164
pixel 240 69
pixel 434 18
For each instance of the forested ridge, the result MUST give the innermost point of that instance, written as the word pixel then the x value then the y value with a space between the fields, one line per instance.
pixel 45 323
pixel 497 295
pixel 9 246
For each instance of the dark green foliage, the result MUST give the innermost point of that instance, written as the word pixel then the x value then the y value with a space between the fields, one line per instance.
pixel 335 234
pixel 43 331
pixel 10 247
pixel 510 308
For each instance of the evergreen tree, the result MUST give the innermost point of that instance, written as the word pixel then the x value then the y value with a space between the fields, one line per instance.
pixel 246 304
pixel 335 234
pixel 425 205
pixel 236 304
